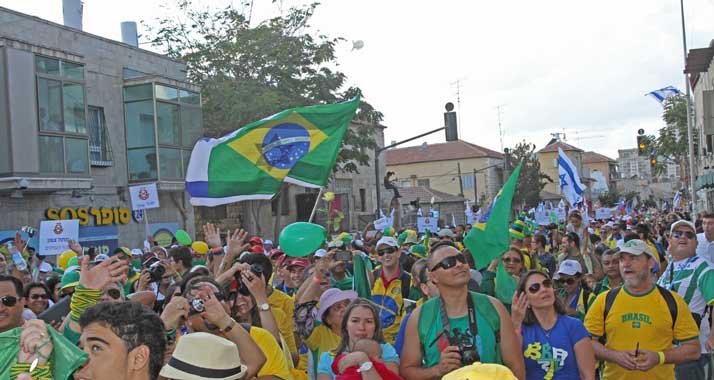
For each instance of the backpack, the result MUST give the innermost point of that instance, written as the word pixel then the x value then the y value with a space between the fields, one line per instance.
pixel 304 317
pixel 668 297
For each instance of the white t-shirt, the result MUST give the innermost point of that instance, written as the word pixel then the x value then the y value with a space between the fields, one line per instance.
pixel 705 249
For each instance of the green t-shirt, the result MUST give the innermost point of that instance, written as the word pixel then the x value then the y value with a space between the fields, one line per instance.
pixel 344 284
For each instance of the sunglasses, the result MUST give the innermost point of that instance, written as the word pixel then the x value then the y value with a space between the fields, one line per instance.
pixel 9 301
pixel 569 281
pixel 535 288
pixel 688 234
pixel 450 262
pixel 38 296
pixel 389 250
pixel 114 293
pixel 511 260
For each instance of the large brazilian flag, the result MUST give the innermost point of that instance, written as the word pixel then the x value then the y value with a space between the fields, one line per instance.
pixel 297 145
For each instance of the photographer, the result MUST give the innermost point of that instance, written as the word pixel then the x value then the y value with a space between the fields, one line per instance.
pixel 458 327
pixel 154 278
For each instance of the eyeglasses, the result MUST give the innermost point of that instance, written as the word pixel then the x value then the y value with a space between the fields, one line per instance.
pixel 688 234
pixel 450 262
pixel 569 281
pixel 511 260
pixel 535 288
pixel 9 301
pixel 38 296
pixel 390 250
pixel 114 293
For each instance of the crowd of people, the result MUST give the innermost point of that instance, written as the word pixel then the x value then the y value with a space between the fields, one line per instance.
pixel 625 298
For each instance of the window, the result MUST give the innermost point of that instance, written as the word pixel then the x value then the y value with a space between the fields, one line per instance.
pixel 61 104
pixel 423 182
pixel 405 183
pixel 100 151
pixel 164 120
pixel 363 199
pixel 468 181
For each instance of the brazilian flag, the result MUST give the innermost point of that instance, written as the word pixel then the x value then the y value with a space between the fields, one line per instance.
pixel 297 145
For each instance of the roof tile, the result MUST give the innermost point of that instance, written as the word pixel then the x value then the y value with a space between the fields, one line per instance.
pixel 451 150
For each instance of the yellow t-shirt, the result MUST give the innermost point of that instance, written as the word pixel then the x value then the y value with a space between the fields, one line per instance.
pixel 275 363
pixel 645 319
pixel 321 340
pixel 281 301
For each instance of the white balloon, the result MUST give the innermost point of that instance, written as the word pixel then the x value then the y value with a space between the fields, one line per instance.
pixel 356 45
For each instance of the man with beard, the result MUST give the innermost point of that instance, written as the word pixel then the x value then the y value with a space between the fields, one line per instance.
pixel 639 321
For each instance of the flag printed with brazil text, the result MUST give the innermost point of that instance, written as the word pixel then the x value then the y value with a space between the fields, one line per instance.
pixel 297 145
pixel 489 236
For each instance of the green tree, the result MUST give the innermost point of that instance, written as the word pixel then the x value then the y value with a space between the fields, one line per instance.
pixel 671 142
pixel 610 198
pixel 531 180
pixel 249 72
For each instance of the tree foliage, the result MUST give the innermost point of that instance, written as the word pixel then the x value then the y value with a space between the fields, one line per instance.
pixel 531 180
pixel 610 198
pixel 671 143
pixel 249 72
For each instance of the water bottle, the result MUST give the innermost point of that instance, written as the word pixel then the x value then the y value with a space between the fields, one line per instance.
pixel 17 258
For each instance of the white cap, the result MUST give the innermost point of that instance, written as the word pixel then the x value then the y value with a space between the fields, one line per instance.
pixel 267 242
pixel 320 253
pixel 136 252
pixel 682 222
pixel 637 247
pixel 569 267
pixel 45 267
pixel 387 240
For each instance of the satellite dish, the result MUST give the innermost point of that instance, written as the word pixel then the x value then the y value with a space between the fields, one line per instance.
pixel 357 45
pixel 449 107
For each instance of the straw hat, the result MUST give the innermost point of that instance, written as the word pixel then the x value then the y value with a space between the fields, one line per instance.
pixel 202 356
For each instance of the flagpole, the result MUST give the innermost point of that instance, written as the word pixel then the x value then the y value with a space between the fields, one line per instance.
pixel 314 208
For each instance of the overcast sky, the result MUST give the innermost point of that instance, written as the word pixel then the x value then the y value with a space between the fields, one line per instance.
pixel 574 66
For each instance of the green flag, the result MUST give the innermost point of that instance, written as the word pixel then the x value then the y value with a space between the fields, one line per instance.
pixel 489 236
pixel 360 282
pixel 65 357
pixel 298 145
pixel 505 285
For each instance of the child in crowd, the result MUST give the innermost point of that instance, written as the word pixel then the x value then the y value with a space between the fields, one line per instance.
pixel 374 352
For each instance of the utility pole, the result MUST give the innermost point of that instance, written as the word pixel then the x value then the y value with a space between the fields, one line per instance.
pixel 461 182
pixel 690 129
pixel 458 101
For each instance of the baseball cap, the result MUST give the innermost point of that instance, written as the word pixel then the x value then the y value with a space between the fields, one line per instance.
pixel 137 252
pixel 682 222
pixel 320 253
pixel 388 240
pixel 297 261
pixel 268 242
pixel 569 268
pixel 638 247
pixel 255 240
pixel 410 240
pixel 445 232
pixel 45 267
pixel 257 249
pixel 100 258
pixel 275 252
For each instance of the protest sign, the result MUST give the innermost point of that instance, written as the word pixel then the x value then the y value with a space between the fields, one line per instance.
pixel 602 213
pixel 425 222
pixel 56 234
pixel 144 196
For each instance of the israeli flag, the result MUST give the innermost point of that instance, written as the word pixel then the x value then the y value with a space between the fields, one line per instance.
pixel 676 202
pixel 663 93
pixel 570 185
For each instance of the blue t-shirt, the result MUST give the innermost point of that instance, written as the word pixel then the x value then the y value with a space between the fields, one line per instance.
pixel 399 342
pixel 555 348
pixel 326 359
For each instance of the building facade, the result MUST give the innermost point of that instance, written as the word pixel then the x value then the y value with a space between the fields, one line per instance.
pixel 602 169
pixel 701 77
pixel 84 117
pixel 439 166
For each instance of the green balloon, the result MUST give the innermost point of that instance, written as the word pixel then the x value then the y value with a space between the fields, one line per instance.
pixel 183 238
pixel 301 238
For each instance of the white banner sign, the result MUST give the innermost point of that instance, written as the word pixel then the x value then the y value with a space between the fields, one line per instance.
pixel 56 234
pixel 603 213
pixel 561 214
pixel 425 222
pixel 542 217
pixel 144 196
pixel 382 223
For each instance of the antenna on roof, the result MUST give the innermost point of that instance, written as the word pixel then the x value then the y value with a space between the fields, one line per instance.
pixel 500 131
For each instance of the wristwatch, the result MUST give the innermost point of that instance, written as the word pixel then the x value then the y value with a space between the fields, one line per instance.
pixel 264 306
pixel 366 366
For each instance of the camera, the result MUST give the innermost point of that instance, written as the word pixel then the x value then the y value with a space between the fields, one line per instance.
pixel 156 270
pixel 242 289
pixel 197 306
pixel 467 349
pixel 343 256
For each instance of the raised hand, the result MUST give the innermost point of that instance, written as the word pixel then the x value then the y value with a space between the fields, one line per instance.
pixel 35 343
pixel 255 284
pixel 519 305
pixel 73 245
pixel 108 271
pixel 212 234
pixel 19 243
pixel 236 241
